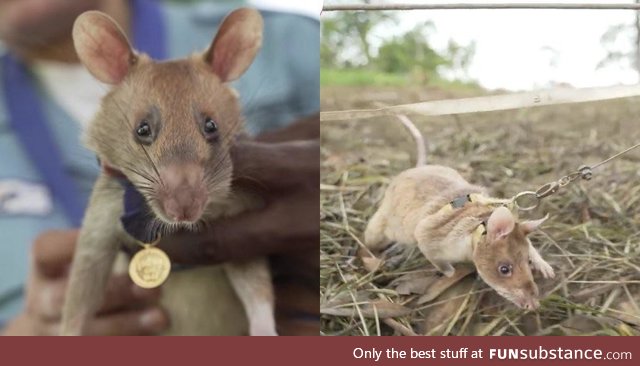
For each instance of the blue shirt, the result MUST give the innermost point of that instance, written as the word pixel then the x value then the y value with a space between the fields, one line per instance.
pixel 281 85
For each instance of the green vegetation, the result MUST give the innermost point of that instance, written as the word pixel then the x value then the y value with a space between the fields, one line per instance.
pixel 348 55
pixel 367 77
pixel 360 77
pixel 409 52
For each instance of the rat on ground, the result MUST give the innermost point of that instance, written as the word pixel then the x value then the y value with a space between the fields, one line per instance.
pixel 453 221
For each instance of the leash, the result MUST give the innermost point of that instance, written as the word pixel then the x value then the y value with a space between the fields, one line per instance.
pixel 529 200
pixel 488 103
pixel 519 201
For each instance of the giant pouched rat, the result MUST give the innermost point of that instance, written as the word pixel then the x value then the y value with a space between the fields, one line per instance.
pixel 452 221
pixel 168 127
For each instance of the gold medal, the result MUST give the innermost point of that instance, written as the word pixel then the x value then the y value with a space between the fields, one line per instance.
pixel 150 267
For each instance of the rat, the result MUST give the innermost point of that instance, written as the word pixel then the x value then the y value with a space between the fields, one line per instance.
pixel 453 221
pixel 167 127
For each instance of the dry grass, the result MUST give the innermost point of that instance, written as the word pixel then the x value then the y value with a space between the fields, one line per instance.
pixel 592 238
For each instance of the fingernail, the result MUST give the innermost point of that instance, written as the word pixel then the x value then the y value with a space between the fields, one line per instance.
pixel 152 319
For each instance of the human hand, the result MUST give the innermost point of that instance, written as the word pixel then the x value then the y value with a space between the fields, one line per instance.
pixel 127 309
pixel 28 21
pixel 287 175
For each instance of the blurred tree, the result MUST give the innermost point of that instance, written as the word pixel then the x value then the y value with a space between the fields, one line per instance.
pixel 347 43
pixel 459 58
pixel 332 43
pixel 617 48
pixel 410 52
pixel 349 32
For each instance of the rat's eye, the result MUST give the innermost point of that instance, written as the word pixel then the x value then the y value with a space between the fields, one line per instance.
pixel 210 125
pixel 210 128
pixel 144 130
pixel 144 133
pixel 505 270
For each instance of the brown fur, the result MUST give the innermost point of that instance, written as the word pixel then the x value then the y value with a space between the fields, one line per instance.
pixel 179 140
pixel 174 97
pixel 410 214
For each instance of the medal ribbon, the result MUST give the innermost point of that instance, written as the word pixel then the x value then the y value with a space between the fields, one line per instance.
pixel 27 118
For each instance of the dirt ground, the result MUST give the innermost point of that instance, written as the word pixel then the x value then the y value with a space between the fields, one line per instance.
pixel 592 238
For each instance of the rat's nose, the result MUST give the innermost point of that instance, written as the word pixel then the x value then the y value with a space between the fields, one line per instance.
pixel 183 194
pixel 530 304
pixel 184 205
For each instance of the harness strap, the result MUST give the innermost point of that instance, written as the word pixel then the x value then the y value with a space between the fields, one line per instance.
pixel 461 201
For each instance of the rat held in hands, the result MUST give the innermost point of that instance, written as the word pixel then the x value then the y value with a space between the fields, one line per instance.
pixel 168 127
pixel 452 221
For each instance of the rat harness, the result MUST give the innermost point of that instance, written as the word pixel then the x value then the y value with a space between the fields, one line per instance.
pixel 479 198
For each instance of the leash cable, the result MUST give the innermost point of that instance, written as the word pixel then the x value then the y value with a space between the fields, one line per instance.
pixel 534 197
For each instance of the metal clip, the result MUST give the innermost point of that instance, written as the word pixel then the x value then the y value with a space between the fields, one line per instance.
pixel 547 190
pixel 585 172
pixel 562 182
pixel 526 195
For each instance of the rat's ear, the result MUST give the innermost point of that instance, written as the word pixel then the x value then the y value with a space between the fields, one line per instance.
pixel 102 47
pixel 236 44
pixel 500 224
pixel 529 226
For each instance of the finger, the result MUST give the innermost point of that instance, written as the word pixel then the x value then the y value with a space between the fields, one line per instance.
pixel 52 252
pixel 139 322
pixel 277 165
pixel 121 293
pixel 27 16
pixel 278 228
pixel 46 303
pixel 301 266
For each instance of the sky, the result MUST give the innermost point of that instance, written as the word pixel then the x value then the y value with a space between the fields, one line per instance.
pixel 526 49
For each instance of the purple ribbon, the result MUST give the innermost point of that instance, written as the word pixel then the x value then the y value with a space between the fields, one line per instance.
pixel 28 121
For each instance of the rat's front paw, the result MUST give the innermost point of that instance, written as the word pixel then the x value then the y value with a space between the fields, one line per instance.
pixel 449 273
pixel 70 333
pixel 544 268
pixel 262 331
pixel 445 268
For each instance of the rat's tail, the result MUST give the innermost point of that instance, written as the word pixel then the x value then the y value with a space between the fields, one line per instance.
pixel 421 146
